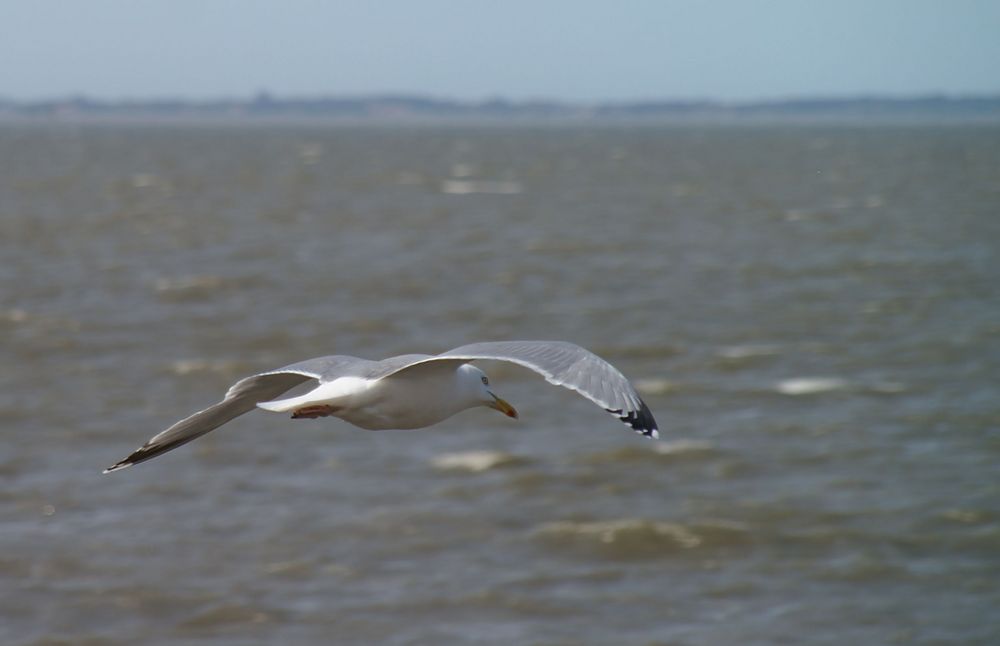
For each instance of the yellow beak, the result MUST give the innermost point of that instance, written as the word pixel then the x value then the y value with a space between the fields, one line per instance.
pixel 502 406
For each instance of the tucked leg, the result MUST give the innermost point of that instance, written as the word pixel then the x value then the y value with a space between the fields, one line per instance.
pixel 312 412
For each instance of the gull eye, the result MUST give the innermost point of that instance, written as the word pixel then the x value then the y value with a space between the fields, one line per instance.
pixel 486 381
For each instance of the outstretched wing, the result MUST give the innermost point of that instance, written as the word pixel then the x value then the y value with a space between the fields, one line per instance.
pixel 242 398
pixel 567 365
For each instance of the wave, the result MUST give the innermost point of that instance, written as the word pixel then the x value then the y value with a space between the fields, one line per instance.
pixel 189 287
pixel 664 450
pixel 480 187
pixel 811 385
pixel 476 461
pixel 799 386
pixel 629 538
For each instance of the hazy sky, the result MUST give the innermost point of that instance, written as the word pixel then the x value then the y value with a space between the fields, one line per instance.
pixel 473 49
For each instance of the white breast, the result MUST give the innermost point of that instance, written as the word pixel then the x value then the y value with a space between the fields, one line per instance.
pixel 403 402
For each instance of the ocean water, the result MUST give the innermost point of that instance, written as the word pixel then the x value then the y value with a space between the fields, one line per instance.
pixel 812 313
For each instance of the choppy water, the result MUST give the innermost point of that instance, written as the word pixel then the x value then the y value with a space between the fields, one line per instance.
pixel 812 313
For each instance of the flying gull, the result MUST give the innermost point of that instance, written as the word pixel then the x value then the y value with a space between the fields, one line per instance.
pixel 409 391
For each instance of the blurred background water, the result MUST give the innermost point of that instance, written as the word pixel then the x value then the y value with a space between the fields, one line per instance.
pixel 812 312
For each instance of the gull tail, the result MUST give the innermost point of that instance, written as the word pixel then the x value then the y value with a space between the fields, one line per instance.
pixel 322 394
pixel 286 405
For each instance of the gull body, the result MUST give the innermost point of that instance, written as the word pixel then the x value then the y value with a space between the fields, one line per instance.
pixel 404 401
pixel 408 391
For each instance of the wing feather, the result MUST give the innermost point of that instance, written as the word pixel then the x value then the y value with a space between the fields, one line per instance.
pixel 562 364
pixel 241 398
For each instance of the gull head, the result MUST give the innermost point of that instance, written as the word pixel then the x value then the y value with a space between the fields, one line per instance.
pixel 478 385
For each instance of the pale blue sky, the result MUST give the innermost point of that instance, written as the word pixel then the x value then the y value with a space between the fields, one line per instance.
pixel 474 49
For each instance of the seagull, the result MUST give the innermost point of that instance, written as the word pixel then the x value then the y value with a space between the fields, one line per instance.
pixel 408 391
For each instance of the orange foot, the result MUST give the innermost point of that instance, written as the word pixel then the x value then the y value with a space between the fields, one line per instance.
pixel 312 412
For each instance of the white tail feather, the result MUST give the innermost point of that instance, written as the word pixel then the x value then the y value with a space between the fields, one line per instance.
pixel 325 393
pixel 284 405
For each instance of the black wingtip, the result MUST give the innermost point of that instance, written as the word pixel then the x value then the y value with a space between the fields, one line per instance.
pixel 148 451
pixel 133 458
pixel 143 453
pixel 124 464
pixel 640 421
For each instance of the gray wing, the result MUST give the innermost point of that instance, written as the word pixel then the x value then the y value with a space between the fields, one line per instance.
pixel 568 365
pixel 242 398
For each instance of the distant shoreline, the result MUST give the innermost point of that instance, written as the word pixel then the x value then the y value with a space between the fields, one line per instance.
pixel 265 108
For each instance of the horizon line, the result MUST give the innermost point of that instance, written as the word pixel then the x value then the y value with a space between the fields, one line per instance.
pixel 266 96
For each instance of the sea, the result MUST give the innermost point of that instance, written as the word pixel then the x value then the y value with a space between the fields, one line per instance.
pixel 811 311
